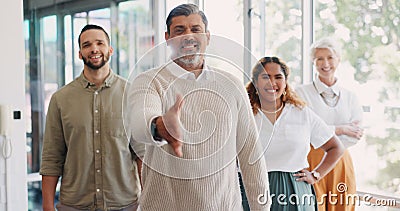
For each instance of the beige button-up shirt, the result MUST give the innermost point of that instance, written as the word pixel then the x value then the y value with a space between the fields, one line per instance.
pixel 85 143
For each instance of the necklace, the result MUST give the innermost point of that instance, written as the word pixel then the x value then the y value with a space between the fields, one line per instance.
pixel 329 102
pixel 273 112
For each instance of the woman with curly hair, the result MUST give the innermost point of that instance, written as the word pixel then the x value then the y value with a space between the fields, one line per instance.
pixel 294 127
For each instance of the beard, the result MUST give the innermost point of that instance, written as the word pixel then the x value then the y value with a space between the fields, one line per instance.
pixel 87 62
pixel 190 58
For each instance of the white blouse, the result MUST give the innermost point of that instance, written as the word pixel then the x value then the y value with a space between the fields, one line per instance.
pixel 346 111
pixel 287 142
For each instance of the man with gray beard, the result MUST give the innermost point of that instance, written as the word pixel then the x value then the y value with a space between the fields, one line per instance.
pixel 197 122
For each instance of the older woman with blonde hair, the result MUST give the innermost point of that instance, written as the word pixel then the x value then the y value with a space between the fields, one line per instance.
pixel 340 109
pixel 294 127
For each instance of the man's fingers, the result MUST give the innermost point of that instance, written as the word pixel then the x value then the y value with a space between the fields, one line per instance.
pixel 172 125
pixel 177 147
pixel 179 102
pixel 178 151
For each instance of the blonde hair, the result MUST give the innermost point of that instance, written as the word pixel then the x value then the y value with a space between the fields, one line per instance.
pixel 290 96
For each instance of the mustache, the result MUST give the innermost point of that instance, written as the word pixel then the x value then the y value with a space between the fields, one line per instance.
pixel 189 42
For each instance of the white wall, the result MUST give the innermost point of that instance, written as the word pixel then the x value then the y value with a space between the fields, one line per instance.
pixel 13 187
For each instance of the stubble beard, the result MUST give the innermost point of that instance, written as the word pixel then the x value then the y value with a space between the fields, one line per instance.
pixel 87 62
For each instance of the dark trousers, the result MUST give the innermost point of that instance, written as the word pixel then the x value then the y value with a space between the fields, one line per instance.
pixel 245 203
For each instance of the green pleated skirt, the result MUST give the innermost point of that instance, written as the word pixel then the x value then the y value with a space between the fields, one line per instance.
pixel 287 194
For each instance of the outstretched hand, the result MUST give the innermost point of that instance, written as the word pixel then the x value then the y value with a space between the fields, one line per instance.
pixel 169 126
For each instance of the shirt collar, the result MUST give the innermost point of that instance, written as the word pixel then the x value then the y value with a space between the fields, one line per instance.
pixel 206 74
pixel 321 87
pixel 107 83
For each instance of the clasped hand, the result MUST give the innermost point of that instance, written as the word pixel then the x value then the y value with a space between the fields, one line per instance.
pixel 353 130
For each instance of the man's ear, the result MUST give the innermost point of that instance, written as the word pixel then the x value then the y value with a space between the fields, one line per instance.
pixel 80 55
pixel 166 37
pixel 111 51
pixel 208 37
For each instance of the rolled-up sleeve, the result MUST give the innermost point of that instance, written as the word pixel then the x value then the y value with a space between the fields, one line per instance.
pixel 54 148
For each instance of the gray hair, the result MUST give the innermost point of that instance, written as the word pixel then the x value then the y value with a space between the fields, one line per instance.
pixel 327 44
pixel 186 10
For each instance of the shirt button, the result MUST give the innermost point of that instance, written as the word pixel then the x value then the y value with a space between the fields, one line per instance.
pixel 97 151
pixel 96 92
pixel 97 132
pixel 98 190
pixel 98 170
pixel 96 111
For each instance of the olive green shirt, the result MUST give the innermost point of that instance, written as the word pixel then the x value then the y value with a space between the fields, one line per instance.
pixel 85 143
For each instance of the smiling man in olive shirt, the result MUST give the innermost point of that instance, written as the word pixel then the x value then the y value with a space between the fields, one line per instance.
pixel 85 142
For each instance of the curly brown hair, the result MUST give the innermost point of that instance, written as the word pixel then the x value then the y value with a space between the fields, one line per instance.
pixel 290 96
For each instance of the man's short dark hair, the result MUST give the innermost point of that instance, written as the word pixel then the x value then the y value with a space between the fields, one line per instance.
pixel 89 27
pixel 186 10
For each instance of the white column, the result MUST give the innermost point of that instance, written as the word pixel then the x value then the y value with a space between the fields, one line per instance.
pixel 13 186
pixel 159 16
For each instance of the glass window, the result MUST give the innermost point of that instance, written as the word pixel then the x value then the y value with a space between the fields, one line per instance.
pixel 49 58
pixel 368 32
pixel 135 35
pixel 42 76
pixel 69 44
pixel 28 118
pixel 101 17
pixel 231 25
pixel 228 35
pixel 171 4
pixel 79 20
pixel 277 31
pixel 34 195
